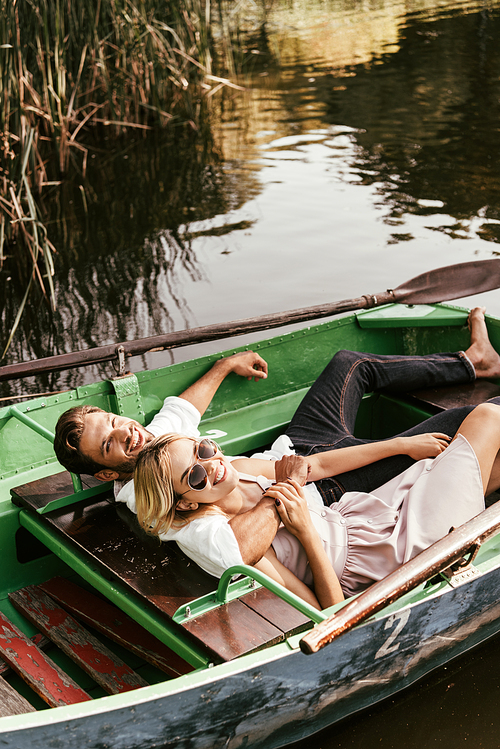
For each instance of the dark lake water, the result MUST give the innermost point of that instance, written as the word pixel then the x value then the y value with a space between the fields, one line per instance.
pixel 364 151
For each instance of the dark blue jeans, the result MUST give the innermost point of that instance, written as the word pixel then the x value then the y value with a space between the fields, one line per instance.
pixel 325 418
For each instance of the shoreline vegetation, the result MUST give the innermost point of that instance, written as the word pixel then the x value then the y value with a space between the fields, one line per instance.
pixel 73 72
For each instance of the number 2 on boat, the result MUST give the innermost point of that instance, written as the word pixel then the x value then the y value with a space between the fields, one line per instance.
pixel 388 647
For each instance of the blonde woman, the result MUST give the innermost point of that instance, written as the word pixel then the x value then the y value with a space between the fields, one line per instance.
pixel 325 553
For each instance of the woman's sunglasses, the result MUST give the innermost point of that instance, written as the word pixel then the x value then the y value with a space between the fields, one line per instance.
pixel 197 477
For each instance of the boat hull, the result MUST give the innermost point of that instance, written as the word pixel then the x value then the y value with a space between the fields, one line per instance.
pixel 288 695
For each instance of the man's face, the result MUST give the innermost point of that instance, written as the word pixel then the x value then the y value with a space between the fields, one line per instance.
pixel 113 441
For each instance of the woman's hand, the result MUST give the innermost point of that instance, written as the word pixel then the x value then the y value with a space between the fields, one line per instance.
pixel 292 507
pixel 291 504
pixel 422 446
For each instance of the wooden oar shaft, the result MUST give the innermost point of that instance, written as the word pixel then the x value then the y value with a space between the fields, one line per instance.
pixel 180 338
pixel 425 565
pixel 438 285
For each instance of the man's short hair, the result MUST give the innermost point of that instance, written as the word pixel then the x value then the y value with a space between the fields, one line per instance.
pixel 69 430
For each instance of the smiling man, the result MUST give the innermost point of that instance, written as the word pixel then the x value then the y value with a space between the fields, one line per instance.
pixel 105 445
pixel 112 442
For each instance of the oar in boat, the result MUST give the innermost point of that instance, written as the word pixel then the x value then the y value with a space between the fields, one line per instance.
pixel 438 285
pixel 437 558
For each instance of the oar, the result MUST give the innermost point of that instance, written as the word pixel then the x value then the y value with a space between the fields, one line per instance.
pixel 437 558
pixel 439 285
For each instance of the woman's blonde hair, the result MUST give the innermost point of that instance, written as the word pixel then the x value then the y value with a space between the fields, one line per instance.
pixel 155 496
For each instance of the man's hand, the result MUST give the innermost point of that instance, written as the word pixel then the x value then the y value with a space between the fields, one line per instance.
pixel 254 530
pixel 247 364
pixel 292 467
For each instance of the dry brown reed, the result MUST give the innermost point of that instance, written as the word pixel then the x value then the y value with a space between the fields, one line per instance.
pixel 68 66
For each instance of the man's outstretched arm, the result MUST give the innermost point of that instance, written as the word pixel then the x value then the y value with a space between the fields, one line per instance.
pixel 246 364
pixel 254 530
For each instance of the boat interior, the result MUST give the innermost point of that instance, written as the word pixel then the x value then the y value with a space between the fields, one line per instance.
pixel 91 605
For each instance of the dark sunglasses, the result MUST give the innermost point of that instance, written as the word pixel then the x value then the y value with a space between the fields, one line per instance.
pixel 197 477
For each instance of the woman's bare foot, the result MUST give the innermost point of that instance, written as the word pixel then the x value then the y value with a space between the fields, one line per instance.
pixel 483 356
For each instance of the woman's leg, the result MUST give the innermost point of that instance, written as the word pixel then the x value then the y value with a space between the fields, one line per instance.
pixel 482 429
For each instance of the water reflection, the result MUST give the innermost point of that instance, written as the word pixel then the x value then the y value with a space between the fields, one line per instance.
pixel 432 132
pixel 125 237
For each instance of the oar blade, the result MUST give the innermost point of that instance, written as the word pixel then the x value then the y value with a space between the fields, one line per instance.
pixel 451 282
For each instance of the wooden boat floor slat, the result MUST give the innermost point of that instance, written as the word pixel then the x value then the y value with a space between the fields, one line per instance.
pixel 44 676
pixel 38 639
pixel 103 666
pixel 109 535
pixel 11 702
pixel 107 619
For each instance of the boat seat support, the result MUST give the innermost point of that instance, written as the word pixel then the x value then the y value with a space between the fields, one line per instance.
pixel 128 397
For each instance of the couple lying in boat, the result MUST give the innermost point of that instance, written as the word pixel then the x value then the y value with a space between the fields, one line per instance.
pixel 332 513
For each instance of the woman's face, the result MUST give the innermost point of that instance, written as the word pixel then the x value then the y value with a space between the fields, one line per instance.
pixel 222 478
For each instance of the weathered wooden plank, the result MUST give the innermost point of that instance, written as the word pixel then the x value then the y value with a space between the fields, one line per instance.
pixel 92 656
pixel 43 675
pixel 39 493
pixel 39 640
pixel 110 621
pixel 11 702
pixel 276 611
pixel 229 628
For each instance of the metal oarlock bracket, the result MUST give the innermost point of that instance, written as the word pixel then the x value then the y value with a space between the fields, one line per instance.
pixel 464 569
pixel 120 367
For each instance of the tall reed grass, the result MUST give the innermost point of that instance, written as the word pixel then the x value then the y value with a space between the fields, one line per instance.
pixel 66 67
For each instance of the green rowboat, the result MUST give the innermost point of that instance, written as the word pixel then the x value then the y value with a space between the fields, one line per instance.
pixel 227 667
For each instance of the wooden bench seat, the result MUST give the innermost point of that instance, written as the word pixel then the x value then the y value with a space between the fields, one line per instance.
pixel 108 535
pixel 444 398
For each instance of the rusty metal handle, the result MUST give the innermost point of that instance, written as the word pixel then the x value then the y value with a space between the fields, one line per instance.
pixel 425 565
